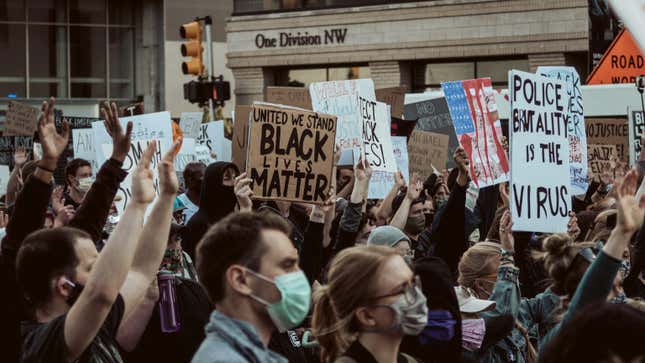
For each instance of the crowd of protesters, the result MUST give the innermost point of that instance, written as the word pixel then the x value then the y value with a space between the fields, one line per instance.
pixel 207 273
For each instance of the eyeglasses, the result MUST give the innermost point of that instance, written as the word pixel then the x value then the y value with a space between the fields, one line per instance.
pixel 410 291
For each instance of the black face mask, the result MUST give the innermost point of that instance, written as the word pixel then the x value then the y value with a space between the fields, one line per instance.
pixel 77 288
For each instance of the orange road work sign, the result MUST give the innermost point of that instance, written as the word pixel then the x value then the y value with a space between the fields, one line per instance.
pixel 621 63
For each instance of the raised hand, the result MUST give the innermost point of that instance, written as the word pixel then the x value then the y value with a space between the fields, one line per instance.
pixel 414 188
pixel 20 157
pixel 4 219
pixel 461 159
pixel 64 215
pixel 362 171
pixel 120 140
pixel 53 143
pixel 398 179
pixel 168 183
pixel 505 232
pixel 143 191
pixel 57 198
pixel 630 210
pixel 243 192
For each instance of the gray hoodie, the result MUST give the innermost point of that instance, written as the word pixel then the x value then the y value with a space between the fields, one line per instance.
pixel 231 340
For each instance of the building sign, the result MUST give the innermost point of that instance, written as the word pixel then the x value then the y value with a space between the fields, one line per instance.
pixel 622 62
pixel 300 39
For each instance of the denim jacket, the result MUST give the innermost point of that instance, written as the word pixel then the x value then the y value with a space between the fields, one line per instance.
pixel 230 340
pixel 534 314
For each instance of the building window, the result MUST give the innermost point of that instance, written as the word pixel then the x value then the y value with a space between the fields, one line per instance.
pixel 67 49
pixel 435 73
pixel 303 77
pixel 260 6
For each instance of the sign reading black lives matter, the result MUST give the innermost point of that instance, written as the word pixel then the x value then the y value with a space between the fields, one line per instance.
pixel 540 183
pixel 290 153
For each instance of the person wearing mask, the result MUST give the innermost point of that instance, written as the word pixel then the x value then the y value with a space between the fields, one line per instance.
pixel 370 302
pixel 175 259
pixel 249 268
pixel 78 179
pixel 487 271
pixel 216 200
pixel 79 297
pixel 193 175
pixel 392 237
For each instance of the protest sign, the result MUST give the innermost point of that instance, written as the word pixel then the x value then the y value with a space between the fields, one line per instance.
pixel 476 122
pixel 68 154
pixel 602 158
pixel 609 131
pixel 428 151
pixel 240 136
pixel 211 134
pixel 83 143
pixel 393 96
pixel 4 178
pixel 38 151
pixel 338 98
pixel 636 126
pixel 540 184
pixel 203 154
pixel 190 122
pixel 20 119
pixel 382 182
pixel 290 153
pixel 186 154
pixel 146 128
pixel 577 135
pixel 289 96
pixel 376 147
pixel 434 116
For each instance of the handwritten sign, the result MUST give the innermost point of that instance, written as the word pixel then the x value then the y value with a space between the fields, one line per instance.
pixel 190 122
pixel 186 154
pixel 393 96
pixel 240 135
pixel 382 182
pixel 540 183
pixel 601 158
pixel 146 128
pixel 289 96
pixel 609 131
pixel 20 119
pixel 290 153
pixel 211 134
pixel 338 98
pixel 377 141
pixel 577 134
pixel 84 146
pixel 427 151
pixel 636 126
pixel 476 121
pixel 4 178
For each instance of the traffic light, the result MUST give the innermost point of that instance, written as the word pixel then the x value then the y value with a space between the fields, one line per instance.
pixel 201 91
pixel 193 48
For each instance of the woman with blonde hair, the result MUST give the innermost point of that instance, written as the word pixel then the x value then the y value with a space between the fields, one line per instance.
pixel 372 299
pixel 487 271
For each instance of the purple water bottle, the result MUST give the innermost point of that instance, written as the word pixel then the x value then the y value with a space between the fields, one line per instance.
pixel 168 302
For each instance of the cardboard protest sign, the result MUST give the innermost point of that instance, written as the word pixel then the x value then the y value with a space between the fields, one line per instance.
pixel 240 135
pixel 289 96
pixel 376 147
pixel 393 96
pixel 434 116
pixel 190 122
pixel 186 154
pixel 382 182
pixel 636 126
pixel 540 184
pixel 84 146
pixel 211 134
pixel 609 131
pixel 338 98
pixel 4 178
pixel 290 153
pixel 601 158
pixel 577 134
pixel 20 119
pixel 146 128
pixel 428 151
pixel 476 122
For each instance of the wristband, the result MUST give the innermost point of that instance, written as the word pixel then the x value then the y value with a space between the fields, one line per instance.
pixel 44 168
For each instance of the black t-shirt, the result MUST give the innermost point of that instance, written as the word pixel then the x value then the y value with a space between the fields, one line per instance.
pixel 45 342
pixel 194 310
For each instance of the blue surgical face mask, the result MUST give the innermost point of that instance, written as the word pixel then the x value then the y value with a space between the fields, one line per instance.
pixel 294 303
pixel 440 327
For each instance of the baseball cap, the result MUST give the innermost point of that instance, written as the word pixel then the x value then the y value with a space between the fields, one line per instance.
pixel 469 303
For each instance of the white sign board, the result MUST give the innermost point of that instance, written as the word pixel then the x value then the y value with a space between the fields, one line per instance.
pixel 211 135
pixel 190 122
pixel 540 184
pixel 4 178
pixel 376 139
pixel 186 154
pixel 83 143
pixel 382 182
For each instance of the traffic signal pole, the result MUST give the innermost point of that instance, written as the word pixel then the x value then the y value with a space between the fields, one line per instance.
pixel 209 61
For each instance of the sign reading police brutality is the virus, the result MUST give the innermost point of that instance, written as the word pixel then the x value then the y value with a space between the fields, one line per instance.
pixel 540 182
pixel 290 153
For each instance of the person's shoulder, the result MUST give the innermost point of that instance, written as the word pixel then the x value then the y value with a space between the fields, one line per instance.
pixel 215 350
pixel 40 340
